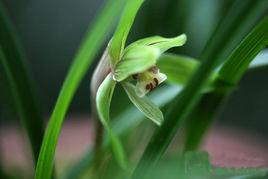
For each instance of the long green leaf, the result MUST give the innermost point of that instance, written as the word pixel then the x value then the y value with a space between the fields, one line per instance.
pixel 118 42
pixel 188 99
pixel 103 102
pixel 242 56
pixel 144 104
pixel 19 83
pixel 102 26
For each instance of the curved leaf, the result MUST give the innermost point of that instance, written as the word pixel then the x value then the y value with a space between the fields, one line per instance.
pixel 240 59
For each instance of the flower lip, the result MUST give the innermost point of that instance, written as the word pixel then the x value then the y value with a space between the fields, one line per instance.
pixel 148 80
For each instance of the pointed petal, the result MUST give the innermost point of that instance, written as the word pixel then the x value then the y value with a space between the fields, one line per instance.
pixel 163 44
pixel 144 104
pixel 136 60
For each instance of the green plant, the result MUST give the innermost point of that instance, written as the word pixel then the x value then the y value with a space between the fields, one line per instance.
pixel 136 67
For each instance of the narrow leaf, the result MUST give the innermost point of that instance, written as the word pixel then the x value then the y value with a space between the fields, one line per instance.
pixel 117 44
pixel 136 60
pixel 103 101
pixel 82 61
pixel 163 44
pixel 147 107
pixel 239 61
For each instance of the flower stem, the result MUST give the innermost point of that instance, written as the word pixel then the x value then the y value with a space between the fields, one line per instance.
pixel 101 71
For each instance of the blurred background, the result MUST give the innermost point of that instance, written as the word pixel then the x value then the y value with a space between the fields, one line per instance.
pixel 51 31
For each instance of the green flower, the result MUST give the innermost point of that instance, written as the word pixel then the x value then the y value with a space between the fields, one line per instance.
pixel 139 59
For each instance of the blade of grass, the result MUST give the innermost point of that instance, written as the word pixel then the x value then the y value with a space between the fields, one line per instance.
pixel 228 77
pixel 19 83
pixel 87 51
pixel 239 61
pixel 189 97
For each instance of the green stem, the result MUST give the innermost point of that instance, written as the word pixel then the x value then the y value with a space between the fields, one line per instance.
pixel 101 71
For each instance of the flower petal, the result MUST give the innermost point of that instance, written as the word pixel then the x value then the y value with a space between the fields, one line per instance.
pixel 163 44
pixel 144 104
pixel 135 61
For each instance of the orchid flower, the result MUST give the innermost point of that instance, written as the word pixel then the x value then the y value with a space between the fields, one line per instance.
pixel 133 67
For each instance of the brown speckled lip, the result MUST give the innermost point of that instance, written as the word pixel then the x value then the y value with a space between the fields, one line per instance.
pixel 227 147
